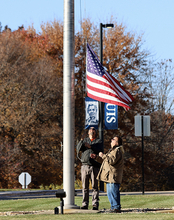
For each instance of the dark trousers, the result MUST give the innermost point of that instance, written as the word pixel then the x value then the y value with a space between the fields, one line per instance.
pixel 87 173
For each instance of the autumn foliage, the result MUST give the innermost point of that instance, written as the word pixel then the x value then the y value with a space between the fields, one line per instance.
pixel 31 105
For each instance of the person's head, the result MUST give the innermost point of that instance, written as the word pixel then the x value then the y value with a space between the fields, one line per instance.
pixel 92 132
pixel 92 109
pixel 116 141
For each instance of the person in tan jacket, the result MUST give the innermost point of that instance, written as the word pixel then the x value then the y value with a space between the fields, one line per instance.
pixel 111 172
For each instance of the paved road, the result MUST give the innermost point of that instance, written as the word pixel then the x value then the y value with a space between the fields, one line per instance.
pixel 28 194
pixel 33 194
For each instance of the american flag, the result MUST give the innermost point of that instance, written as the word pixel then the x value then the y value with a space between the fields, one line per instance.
pixel 101 85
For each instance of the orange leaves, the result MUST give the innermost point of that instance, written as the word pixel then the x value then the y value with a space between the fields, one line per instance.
pixel 31 102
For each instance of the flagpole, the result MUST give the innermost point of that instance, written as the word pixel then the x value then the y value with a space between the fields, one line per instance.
pixel 68 105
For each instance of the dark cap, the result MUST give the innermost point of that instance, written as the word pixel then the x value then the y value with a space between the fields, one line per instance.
pixel 92 128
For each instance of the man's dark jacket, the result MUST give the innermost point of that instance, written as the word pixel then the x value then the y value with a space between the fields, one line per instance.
pixel 96 147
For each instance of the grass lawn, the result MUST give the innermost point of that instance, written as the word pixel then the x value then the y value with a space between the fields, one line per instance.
pixel 144 216
pixel 127 201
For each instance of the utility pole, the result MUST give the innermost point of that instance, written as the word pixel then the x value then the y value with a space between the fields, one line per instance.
pixel 101 103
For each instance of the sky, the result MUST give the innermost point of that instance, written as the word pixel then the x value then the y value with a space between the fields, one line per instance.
pixel 154 18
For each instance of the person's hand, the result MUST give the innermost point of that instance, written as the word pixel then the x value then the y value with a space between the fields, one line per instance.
pixel 87 145
pixel 93 156
pixel 100 154
pixel 83 136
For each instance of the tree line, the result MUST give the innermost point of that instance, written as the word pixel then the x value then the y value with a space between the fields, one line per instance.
pixel 31 104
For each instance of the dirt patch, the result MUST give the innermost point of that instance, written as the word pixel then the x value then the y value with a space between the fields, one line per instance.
pixel 133 210
pixel 26 212
pixel 75 211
